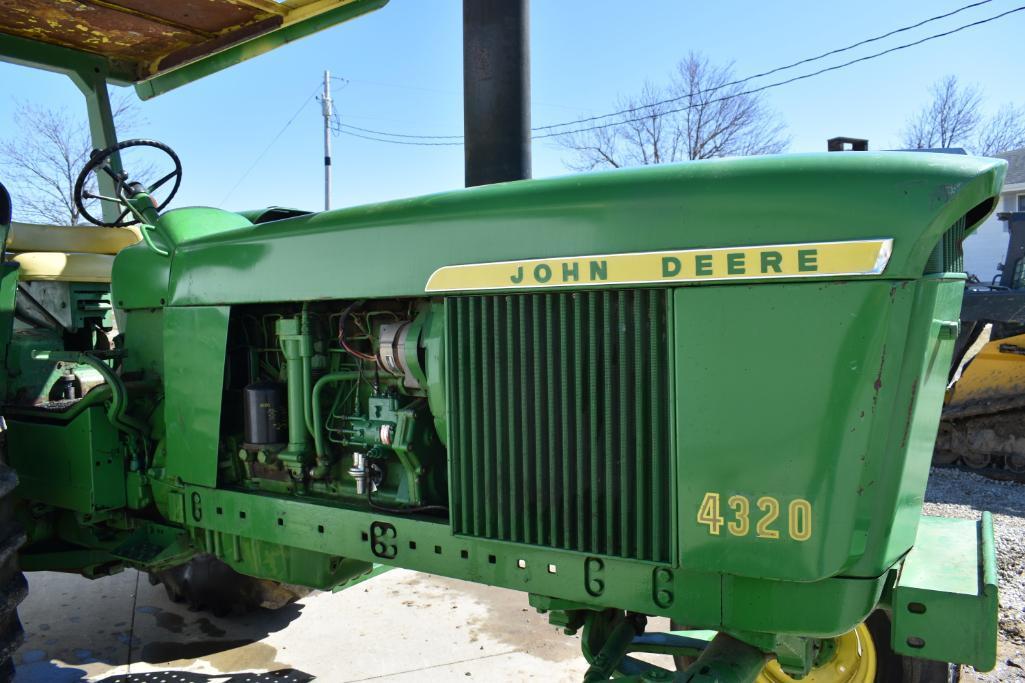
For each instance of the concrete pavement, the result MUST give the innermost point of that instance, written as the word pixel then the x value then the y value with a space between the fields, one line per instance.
pixel 399 627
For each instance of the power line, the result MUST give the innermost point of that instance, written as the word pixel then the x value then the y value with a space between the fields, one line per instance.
pixel 401 87
pixel 751 91
pixel 271 143
pixel 398 142
pixel 787 67
pixel 401 135
pixel 458 93
pixel 339 126
pixel 793 79
pixel 335 120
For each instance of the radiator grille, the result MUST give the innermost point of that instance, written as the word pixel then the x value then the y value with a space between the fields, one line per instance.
pixel 559 424
pixel 948 256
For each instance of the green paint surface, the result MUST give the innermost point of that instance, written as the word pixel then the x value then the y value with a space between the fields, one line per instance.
pixel 945 600
pixel 814 197
pixel 194 340
pixel 742 456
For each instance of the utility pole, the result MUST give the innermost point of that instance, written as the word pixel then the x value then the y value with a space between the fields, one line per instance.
pixel 325 102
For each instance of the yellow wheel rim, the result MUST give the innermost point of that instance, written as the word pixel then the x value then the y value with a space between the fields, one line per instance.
pixel 853 661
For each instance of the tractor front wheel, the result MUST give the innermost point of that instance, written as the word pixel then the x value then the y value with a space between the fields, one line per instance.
pixel 895 668
pixel 864 655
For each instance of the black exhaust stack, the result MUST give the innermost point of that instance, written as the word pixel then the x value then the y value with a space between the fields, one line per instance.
pixel 846 145
pixel 496 90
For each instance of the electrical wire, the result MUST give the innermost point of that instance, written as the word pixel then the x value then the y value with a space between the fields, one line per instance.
pixel 341 334
pixel 270 144
pixel 793 79
pixel 786 67
pixel 335 119
pixel 418 140
pixel 401 87
pixel 400 135
pixel 399 142
pixel 457 93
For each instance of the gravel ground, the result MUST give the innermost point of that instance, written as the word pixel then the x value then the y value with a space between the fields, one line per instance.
pixel 955 493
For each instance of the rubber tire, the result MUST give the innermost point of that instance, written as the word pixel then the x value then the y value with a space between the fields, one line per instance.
pixel 207 583
pixel 891 667
pixel 895 668
pixel 13 587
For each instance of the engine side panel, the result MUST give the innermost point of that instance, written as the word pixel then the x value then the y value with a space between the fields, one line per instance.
pixel 194 344
pixel 771 455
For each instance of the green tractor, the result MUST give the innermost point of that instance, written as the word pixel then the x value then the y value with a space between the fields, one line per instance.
pixel 629 395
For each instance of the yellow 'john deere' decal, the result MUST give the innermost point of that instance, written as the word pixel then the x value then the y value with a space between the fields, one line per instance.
pixel 819 259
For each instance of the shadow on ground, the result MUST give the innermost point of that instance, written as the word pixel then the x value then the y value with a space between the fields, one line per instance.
pixel 282 676
pixel 194 635
pixel 31 670
pixel 77 629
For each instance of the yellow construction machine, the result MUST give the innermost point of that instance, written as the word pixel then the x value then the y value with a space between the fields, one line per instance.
pixel 983 425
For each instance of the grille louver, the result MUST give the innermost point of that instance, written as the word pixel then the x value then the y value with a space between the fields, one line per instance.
pixel 560 431
pixel 948 256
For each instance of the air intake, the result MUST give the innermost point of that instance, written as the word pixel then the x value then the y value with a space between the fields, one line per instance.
pixel 560 422
pixel 948 256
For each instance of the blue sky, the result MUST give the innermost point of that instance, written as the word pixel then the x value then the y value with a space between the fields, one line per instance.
pixel 405 75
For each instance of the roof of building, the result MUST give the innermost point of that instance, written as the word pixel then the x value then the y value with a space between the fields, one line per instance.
pixel 1015 165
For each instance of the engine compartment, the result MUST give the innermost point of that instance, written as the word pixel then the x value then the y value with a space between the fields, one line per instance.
pixel 330 399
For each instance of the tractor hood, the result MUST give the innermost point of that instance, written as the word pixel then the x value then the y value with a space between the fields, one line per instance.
pixel 865 215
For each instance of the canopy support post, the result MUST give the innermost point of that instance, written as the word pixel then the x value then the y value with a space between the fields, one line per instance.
pixel 93 85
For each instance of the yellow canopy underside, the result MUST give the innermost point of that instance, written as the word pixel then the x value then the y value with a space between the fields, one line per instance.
pixel 140 39
pixel 25 237
pixel 64 267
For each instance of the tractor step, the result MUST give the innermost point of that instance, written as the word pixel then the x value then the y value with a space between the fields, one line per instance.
pixel 945 598
pixel 154 545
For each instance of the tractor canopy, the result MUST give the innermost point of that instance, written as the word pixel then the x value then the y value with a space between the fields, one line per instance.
pixel 155 46
pixel 158 46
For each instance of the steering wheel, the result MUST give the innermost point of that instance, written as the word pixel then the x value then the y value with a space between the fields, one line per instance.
pixel 99 161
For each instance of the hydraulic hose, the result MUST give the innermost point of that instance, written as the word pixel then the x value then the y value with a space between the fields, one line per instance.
pixel 116 413
pixel 317 419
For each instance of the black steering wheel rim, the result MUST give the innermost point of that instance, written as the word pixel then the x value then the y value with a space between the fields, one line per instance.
pixel 98 160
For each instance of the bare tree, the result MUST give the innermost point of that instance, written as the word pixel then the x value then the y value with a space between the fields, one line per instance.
pixel 43 160
pixel 700 114
pixel 951 117
pixel 1004 131
pixel 955 118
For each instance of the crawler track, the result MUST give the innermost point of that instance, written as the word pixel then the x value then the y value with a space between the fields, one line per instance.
pixel 989 444
pixel 997 473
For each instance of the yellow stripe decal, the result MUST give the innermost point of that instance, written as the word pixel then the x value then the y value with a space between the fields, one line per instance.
pixel 818 259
